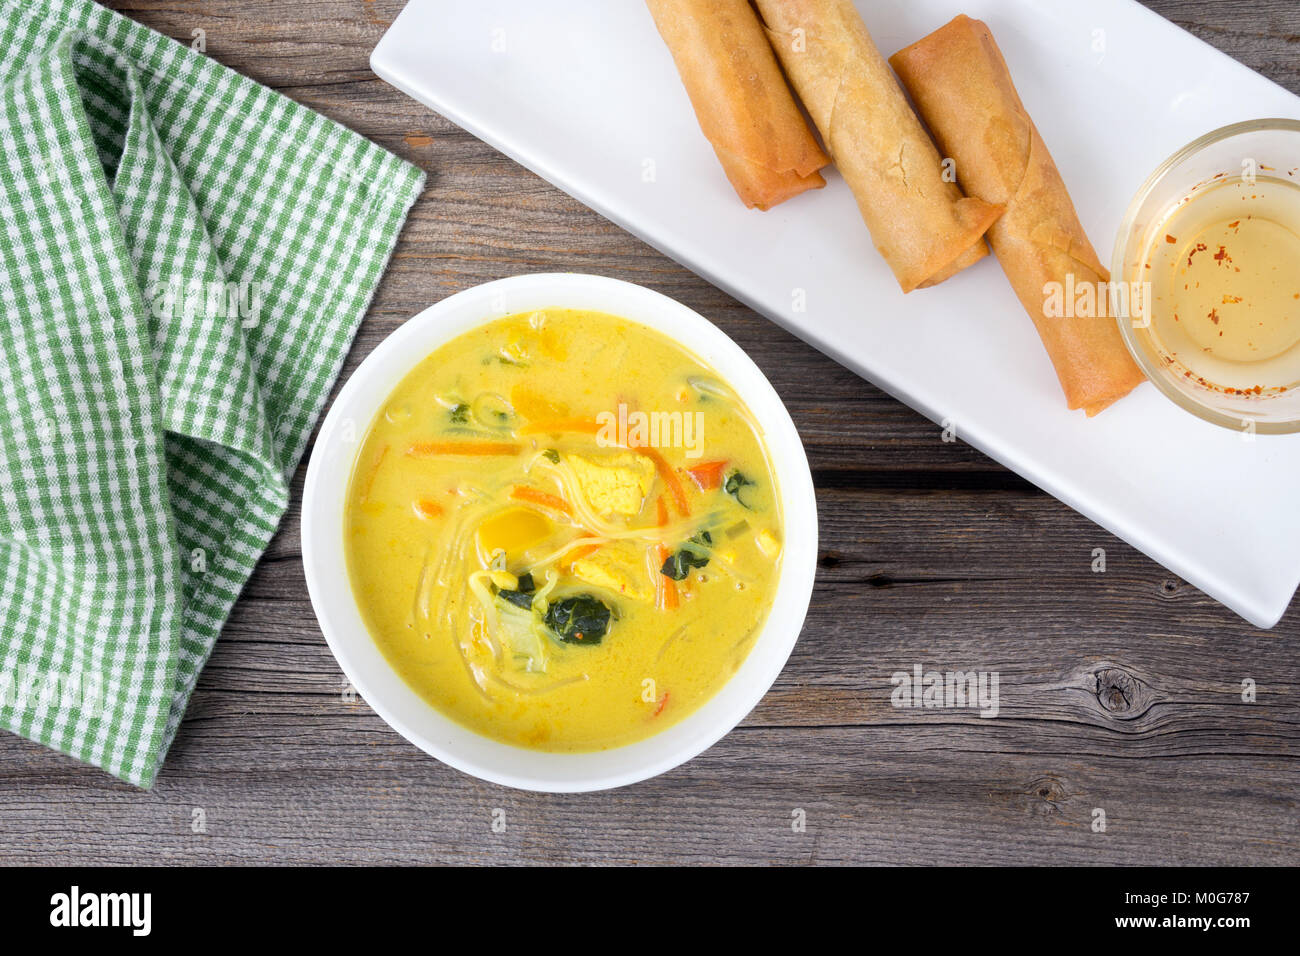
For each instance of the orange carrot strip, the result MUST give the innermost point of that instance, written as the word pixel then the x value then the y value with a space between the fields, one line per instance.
pixel 669 475
pixel 577 554
pixel 668 587
pixel 432 449
pixel 427 508
pixel 707 476
pixel 546 500
pixel 670 594
pixel 661 510
pixel 583 551
pixel 554 427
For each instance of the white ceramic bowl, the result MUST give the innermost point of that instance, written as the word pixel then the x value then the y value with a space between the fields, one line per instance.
pixel 345 427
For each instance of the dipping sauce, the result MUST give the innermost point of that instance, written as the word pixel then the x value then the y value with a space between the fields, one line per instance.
pixel 563 531
pixel 1224 268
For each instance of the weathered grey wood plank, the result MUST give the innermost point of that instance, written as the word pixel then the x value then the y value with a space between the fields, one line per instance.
pixel 1119 691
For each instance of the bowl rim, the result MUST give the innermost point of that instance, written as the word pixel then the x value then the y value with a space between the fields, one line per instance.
pixel 439 735
pixel 1155 373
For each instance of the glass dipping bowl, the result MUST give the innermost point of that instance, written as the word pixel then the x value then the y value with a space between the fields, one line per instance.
pixel 1271 146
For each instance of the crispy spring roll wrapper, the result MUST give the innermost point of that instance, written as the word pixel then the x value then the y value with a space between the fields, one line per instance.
pixel 960 83
pixel 923 226
pixel 741 100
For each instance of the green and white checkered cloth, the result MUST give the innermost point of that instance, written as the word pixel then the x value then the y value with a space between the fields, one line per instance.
pixel 185 256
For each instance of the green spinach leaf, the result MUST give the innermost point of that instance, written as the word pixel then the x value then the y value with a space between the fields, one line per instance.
pixel 680 563
pixel 581 619
pixel 523 595
pixel 735 483
pixel 693 554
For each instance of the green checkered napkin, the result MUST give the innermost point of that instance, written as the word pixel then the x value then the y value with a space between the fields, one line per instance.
pixel 184 259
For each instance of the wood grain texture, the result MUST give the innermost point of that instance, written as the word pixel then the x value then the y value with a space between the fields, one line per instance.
pixel 1120 691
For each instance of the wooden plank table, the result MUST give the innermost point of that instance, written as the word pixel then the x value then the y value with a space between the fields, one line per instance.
pixel 1121 691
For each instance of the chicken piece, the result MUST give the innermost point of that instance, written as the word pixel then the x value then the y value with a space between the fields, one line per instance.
pixel 606 571
pixel 614 485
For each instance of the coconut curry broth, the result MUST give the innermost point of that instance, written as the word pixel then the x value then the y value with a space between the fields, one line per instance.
pixel 544 550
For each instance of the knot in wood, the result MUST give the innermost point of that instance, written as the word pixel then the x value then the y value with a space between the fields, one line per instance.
pixel 1048 789
pixel 1046 795
pixel 1117 690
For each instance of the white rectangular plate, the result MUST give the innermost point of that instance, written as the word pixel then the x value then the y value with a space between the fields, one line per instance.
pixel 586 95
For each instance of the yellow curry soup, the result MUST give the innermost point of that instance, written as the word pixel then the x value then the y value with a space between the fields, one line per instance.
pixel 562 531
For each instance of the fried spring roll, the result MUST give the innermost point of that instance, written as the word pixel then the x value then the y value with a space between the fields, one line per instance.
pixel 741 100
pixel 960 84
pixel 919 220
